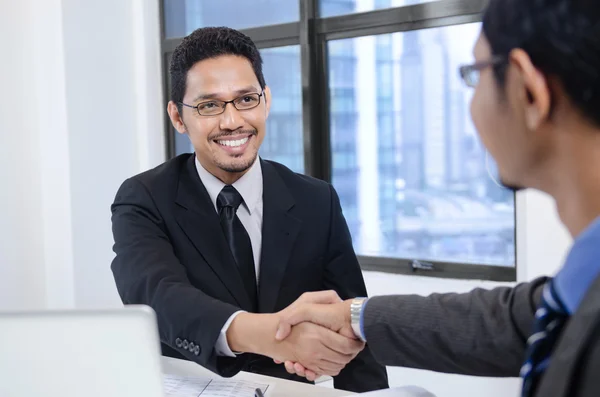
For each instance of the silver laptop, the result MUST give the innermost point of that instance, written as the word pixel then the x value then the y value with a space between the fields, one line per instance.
pixel 112 353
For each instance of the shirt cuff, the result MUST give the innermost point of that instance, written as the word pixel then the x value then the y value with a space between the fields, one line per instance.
pixel 222 347
pixel 362 322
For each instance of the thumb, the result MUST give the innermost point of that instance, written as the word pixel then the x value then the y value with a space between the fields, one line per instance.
pixel 323 297
pixel 283 331
pixel 290 317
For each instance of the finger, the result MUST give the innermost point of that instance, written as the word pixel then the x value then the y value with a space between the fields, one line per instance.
pixel 313 313
pixel 332 356
pixel 340 343
pixel 300 370
pixel 290 317
pixel 320 314
pixel 324 297
pixel 312 372
pixel 311 376
pixel 283 331
pixel 308 374
pixel 330 368
pixel 277 361
pixel 289 367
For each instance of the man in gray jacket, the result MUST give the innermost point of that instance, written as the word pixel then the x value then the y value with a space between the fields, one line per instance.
pixel 536 107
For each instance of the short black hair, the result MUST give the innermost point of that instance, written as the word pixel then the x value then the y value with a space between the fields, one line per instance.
pixel 206 43
pixel 562 38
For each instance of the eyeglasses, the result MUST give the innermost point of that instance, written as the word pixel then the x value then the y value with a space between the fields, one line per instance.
pixel 215 107
pixel 470 73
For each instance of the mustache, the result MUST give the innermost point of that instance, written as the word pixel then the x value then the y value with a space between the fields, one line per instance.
pixel 224 134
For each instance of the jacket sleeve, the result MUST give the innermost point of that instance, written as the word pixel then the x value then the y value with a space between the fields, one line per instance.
pixel 343 274
pixel 481 333
pixel 146 271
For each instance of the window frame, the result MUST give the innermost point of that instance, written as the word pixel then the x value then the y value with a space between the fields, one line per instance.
pixel 312 33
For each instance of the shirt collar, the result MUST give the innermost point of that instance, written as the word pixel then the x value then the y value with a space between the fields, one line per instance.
pixel 581 268
pixel 250 185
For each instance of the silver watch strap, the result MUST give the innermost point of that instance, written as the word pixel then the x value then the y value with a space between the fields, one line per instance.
pixel 355 311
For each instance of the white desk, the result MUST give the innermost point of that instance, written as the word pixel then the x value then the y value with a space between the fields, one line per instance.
pixel 283 388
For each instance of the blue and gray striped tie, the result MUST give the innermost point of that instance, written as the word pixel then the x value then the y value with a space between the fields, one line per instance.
pixel 550 319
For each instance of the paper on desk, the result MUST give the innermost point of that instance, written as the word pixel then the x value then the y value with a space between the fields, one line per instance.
pixel 184 386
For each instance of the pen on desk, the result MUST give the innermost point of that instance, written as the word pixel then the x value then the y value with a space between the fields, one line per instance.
pixel 258 393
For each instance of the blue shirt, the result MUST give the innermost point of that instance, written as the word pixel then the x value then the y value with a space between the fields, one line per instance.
pixel 581 268
pixel 576 276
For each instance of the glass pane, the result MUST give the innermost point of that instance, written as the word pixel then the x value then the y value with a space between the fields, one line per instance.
pixel 407 163
pixel 283 140
pixel 331 8
pixel 182 17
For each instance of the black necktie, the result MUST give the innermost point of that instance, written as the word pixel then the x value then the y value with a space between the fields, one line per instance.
pixel 550 318
pixel 228 202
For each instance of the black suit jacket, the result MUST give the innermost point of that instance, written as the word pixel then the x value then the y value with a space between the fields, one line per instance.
pixel 173 256
pixel 484 333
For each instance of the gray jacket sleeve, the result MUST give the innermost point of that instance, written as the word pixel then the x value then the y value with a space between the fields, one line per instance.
pixel 480 333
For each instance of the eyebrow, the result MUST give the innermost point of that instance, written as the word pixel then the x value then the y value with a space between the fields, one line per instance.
pixel 245 90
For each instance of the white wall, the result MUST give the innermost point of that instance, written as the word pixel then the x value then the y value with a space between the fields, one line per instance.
pixel 22 273
pixel 82 113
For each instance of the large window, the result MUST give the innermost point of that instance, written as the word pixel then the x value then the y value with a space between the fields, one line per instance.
pixel 330 8
pixel 366 95
pixel 182 17
pixel 409 169
pixel 283 141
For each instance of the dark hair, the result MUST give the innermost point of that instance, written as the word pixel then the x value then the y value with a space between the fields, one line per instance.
pixel 562 38
pixel 205 43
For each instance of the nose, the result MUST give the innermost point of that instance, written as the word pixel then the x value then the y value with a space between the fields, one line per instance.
pixel 231 119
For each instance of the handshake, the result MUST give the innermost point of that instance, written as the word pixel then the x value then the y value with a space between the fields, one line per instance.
pixel 311 337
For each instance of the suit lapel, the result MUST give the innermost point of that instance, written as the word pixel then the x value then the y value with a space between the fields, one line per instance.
pixel 564 363
pixel 279 231
pixel 195 214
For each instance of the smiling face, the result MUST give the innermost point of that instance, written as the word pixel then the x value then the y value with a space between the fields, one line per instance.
pixel 226 144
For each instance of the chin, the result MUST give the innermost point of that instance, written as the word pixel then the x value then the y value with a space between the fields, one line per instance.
pixel 237 165
pixel 515 187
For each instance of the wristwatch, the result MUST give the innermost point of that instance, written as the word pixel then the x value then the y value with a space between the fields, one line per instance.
pixel 355 310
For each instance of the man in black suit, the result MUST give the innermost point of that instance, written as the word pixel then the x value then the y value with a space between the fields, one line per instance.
pixel 217 241
pixel 536 107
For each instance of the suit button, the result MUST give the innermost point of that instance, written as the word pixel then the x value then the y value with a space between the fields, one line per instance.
pixel 197 350
pixel 186 344
pixel 178 342
pixel 191 348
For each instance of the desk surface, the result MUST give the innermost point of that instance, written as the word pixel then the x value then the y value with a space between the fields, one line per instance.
pixel 283 388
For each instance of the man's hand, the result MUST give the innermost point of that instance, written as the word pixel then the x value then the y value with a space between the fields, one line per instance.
pixel 320 350
pixel 335 316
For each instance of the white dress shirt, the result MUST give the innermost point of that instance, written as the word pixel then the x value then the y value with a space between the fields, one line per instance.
pixel 250 213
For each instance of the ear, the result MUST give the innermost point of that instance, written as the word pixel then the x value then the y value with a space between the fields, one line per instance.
pixel 267 94
pixel 533 91
pixel 176 118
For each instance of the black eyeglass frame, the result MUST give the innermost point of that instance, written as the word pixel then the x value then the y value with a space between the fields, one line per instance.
pixel 465 71
pixel 225 103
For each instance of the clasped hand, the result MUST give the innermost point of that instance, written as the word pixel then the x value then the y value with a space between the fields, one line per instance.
pixel 317 337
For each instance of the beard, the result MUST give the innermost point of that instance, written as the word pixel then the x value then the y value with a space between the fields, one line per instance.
pixel 236 166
